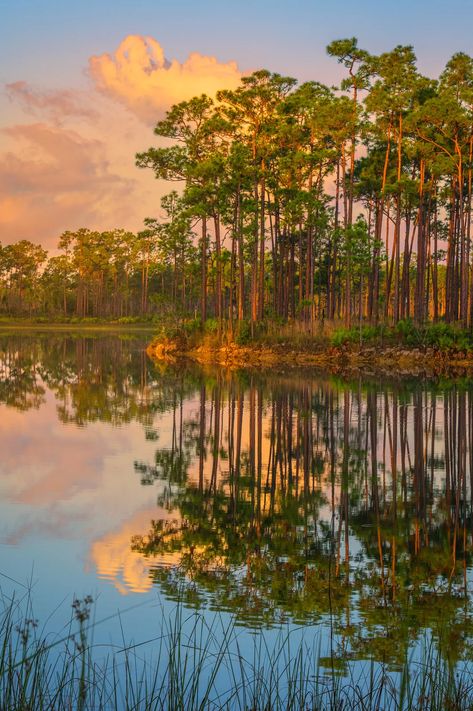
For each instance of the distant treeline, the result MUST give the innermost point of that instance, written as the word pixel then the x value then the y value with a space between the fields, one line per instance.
pixel 295 201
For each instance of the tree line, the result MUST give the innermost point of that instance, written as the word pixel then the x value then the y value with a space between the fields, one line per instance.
pixel 293 201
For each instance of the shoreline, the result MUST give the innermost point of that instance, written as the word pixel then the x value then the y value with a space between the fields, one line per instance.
pixel 74 327
pixel 390 360
pixel 371 358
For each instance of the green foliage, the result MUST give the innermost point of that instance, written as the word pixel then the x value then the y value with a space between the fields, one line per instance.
pixel 409 333
pixel 255 170
pixel 342 336
pixel 192 326
pixel 129 319
pixel 440 335
pixel 211 326
pixel 169 331
pixel 243 334
pixel 446 336
pixel 85 319
pixel 366 334
pixel 185 333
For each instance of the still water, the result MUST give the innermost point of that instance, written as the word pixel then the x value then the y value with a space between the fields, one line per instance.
pixel 341 509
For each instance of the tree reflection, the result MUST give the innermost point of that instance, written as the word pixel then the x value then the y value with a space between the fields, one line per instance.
pixel 94 379
pixel 315 498
pixel 20 378
pixel 284 497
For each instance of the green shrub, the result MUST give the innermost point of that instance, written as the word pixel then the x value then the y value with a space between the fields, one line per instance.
pixel 444 342
pixel 168 331
pixel 344 335
pixel 409 333
pixel 464 342
pixel 192 326
pixel 438 334
pixel 211 325
pixel 243 335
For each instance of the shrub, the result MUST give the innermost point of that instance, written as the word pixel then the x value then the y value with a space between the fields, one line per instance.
pixel 353 335
pixel 243 336
pixel 341 336
pixel 211 326
pixel 410 334
pixel 192 326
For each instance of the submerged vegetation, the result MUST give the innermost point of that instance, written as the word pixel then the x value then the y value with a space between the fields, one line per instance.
pixel 295 202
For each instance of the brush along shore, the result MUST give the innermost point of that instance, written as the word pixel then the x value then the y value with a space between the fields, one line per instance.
pixel 433 351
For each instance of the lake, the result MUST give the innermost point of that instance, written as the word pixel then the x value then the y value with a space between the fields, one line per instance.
pixel 338 511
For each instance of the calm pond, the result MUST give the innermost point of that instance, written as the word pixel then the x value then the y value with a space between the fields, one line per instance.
pixel 339 510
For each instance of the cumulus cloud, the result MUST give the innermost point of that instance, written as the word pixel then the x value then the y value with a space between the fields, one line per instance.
pixel 75 165
pixel 139 75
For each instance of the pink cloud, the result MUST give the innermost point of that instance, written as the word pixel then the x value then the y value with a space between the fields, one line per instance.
pixel 61 158
pixel 55 104
pixel 53 178
pixel 87 488
pixel 75 166
pixel 24 440
pixel 114 559
pixel 138 75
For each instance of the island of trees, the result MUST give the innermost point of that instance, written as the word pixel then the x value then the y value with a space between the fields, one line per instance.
pixel 293 202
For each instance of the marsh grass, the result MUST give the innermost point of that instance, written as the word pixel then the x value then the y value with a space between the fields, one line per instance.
pixel 193 664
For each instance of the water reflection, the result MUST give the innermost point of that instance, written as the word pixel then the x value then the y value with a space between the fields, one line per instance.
pixel 303 498
pixel 279 496
pixel 104 378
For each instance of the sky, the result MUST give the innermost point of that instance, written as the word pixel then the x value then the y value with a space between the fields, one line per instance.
pixel 83 82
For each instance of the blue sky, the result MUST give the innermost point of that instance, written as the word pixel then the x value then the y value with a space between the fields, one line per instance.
pixel 49 40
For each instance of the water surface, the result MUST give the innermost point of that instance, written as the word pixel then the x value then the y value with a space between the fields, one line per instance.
pixel 339 509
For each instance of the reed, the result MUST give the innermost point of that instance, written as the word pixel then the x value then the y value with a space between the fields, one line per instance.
pixel 199 665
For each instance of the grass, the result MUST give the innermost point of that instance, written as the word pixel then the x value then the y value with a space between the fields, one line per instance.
pixel 73 323
pixel 442 336
pixel 200 665
pixel 298 337
pixel 16 326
